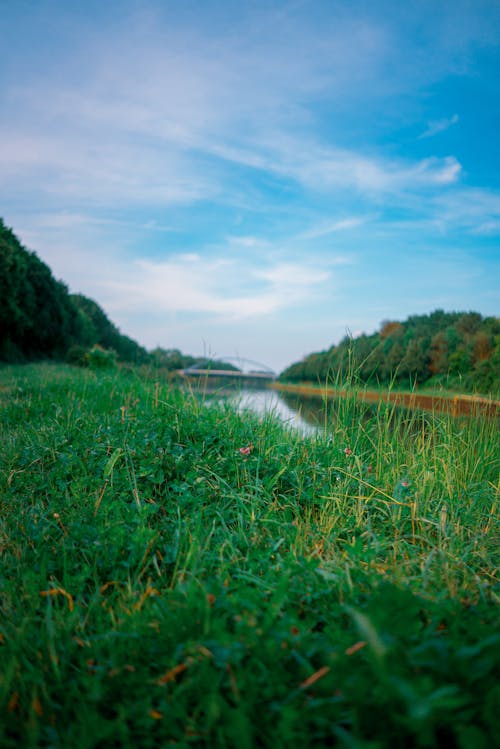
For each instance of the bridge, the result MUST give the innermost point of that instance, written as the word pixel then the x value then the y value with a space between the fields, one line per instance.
pixel 243 369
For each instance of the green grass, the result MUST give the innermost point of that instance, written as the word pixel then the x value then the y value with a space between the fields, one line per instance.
pixel 160 588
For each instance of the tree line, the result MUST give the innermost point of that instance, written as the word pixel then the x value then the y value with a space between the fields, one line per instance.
pixel 40 319
pixel 453 349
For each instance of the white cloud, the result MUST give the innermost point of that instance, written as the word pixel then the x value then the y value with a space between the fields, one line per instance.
pixel 144 128
pixel 323 228
pixel 326 168
pixel 99 168
pixel 488 227
pixel 191 283
pixel 246 242
pixel 438 126
pixel 379 175
pixel 292 276
pixel 474 209
pixel 436 171
pixel 66 220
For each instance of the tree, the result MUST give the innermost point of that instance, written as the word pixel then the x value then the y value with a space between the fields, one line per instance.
pixel 461 345
pixel 468 323
pixel 38 316
pixel 392 365
pixel 482 346
pixel 414 364
pixel 487 372
pixel 391 329
pixel 438 361
pixel 459 361
pixel 100 330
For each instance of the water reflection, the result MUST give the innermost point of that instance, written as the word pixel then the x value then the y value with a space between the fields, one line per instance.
pixel 308 414
pixel 263 401
pixel 313 414
pixel 321 413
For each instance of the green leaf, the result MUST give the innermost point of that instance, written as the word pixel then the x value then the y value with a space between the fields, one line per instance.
pixel 108 468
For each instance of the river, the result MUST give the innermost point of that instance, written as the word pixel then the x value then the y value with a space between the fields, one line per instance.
pixel 311 414
pixel 265 401
pixel 303 414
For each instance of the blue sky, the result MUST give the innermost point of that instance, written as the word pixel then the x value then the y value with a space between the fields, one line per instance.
pixel 256 178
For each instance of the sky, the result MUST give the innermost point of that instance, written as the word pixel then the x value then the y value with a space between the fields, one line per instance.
pixel 257 178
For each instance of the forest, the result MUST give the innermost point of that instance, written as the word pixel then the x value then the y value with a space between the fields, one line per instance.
pixel 459 350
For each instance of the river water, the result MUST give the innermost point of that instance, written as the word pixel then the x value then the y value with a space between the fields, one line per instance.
pixel 303 414
pixel 306 413
pixel 264 402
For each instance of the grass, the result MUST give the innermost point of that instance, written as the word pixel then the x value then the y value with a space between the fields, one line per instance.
pixel 160 587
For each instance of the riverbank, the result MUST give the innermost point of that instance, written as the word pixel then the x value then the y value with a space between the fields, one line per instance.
pixel 456 405
pixel 182 574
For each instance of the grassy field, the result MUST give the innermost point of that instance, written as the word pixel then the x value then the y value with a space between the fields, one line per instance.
pixel 178 574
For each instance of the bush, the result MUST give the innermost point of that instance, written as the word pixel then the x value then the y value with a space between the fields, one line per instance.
pixel 77 355
pixel 100 358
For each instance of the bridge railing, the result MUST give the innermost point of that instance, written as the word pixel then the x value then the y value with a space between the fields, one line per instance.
pixel 227 373
pixel 212 368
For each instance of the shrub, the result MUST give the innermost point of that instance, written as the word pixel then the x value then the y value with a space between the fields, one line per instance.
pixel 77 355
pixel 100 358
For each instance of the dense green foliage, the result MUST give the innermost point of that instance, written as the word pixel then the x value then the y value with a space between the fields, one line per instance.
pixel 458 349
pixel 39 319
pixel 179 574
pixel 100 330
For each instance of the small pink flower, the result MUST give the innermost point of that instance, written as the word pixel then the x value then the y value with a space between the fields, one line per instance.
pixel 405 483
pixel 348 451
pixel 246 450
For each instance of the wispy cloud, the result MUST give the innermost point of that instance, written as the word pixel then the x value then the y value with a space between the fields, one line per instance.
pixel 246 242
pixel 229 288
pixel 438 126
pixel 161 121
pixel 475 210
pixel 65 220
pixel 319 167
pixel 323 228
pixel 488 228
pixel 292 277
